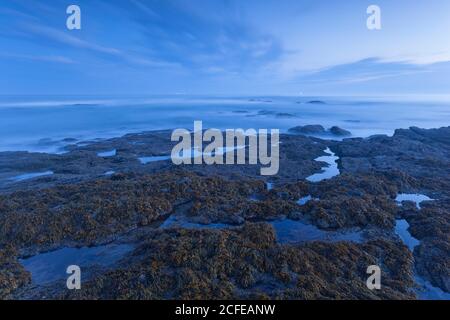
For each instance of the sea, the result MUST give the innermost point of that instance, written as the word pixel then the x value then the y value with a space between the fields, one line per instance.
pixel 49 123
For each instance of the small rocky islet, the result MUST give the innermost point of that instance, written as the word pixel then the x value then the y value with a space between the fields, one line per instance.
pixel 226 244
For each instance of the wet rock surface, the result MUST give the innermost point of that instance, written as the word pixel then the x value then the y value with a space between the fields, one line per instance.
pixel 78 205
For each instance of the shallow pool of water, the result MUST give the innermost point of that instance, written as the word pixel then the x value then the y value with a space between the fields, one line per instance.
pixel 32 175
pixel 329 171
pixel 429 292
pixel 145 160
pixel 304 200
pixel 416 198
pixel 107 154
pixel 426 290
pixel 401 228
pixel 291 231
pixel 50 266
pixel 191 154
pixel 180 222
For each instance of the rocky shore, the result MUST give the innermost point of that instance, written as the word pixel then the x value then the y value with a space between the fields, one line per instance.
pixel 225 244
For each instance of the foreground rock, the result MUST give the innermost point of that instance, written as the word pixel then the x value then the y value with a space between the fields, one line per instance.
pixel 417 161
pixel 246 263
pixel 80 206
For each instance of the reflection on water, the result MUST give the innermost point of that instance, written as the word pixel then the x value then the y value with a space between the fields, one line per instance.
pixel 417 198
pixel 304 200
pixel 426 290
pixel 401 228
pixel 145 160
pixel 175 221
pixel 50 266
pixel 28 176
pixel 329 171
pixel 290 231
pixel 106 154
pixel 192 153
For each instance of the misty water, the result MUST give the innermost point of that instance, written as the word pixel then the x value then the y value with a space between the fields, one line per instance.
pixel 48 123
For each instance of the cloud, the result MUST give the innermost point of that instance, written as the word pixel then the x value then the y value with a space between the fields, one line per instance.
pixel 365 70
pixel 165 35
pixel 63 37
pixel 201 40
pixel 54 59
pixel 376 76
pixel 423 59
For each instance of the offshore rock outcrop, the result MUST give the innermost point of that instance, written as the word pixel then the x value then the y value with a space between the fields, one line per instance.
pixel 319 130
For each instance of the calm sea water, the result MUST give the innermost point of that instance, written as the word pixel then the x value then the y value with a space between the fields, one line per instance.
pixel 41 123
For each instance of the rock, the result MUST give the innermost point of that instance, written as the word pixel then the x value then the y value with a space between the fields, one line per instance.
pixel 378 137
pixel 308 129
pixel 84 208
pixel 318 129
pixel 242 262
pixel 12 273
pixel 265 112
pixel 285 115
pixel 339 131
pixel 316 102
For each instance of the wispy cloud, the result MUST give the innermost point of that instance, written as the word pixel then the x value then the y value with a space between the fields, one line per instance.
pixel 179 34
pixel 53 59
pixel 422 59
pixel 224 46
pixel 64 38
pixel 362 71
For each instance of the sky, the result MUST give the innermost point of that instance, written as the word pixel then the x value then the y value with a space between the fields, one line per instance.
pixel 229 47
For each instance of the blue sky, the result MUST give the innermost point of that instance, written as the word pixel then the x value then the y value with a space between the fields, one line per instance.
pixel 233 47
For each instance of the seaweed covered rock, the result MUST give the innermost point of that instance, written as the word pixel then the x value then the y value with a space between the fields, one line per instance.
pixel 247 262
pixel 12 274
pixel 92 211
